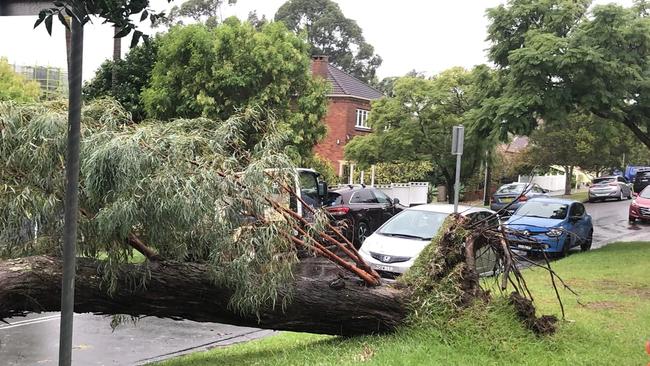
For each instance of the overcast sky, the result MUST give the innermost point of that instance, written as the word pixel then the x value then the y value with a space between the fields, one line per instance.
pixel 428 36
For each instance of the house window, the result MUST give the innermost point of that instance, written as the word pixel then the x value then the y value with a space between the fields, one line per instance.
pixel 362 119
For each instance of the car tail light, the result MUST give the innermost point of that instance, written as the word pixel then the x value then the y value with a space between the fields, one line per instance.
pixel 522 198
pixel 338 211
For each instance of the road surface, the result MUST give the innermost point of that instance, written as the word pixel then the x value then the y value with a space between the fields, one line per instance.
pixel 34 340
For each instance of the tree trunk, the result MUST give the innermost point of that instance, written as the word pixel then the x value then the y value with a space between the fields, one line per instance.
pixel 568 172
pixel 117 56
pixel 322 301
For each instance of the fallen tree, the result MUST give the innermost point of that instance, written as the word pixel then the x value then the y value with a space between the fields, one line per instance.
pixel 201 206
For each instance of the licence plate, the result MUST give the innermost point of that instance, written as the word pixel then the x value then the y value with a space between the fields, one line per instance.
pixel 383 268
pixel 506 200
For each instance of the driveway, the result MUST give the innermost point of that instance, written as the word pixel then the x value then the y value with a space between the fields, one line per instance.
pixel 34 340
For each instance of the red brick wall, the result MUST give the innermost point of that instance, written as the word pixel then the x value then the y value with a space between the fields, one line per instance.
pixel 340 120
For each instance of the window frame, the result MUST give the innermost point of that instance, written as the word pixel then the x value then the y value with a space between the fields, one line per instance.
pixel 361 119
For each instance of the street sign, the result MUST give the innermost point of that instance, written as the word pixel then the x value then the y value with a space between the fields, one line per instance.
pixel 457 138
pixel 23 7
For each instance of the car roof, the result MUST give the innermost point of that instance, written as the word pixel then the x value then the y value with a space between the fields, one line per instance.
pixel 554 200
pixel 351 188
pixel 448 208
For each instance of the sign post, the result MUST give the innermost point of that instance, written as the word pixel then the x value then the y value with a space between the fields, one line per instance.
pixel 457 139
pixel 31 8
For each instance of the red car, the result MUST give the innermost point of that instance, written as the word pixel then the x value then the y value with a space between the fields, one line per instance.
pixel 640 206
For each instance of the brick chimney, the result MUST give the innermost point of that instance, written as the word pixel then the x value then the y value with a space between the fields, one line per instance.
pixel 319 65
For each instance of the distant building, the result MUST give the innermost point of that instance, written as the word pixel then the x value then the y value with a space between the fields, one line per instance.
pixel 53 80
pixel 347 112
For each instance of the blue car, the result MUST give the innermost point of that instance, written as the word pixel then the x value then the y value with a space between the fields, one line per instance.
pixel 550 224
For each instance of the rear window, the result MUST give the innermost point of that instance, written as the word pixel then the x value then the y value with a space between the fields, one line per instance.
pixel 643 174
pixel 332 199
pixel 511 188
pixel 604 180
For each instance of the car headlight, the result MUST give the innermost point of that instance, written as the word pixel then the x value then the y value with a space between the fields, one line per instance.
pixel 634 203
pixel 554 233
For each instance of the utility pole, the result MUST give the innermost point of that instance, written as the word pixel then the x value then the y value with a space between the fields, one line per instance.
pixel 457 140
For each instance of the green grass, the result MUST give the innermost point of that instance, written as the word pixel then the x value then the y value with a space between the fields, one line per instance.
pixel 609 328
pixel 578 196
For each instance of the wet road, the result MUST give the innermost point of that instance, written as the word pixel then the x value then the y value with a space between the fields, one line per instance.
pixel 34 340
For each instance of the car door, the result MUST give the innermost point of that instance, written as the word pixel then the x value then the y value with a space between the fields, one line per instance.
pixel 579 226
pixel 386 205
pixel 625 186
pixel 366 208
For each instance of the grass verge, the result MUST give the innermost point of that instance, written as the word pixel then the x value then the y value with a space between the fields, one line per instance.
pixel 578 196
pixel 608 327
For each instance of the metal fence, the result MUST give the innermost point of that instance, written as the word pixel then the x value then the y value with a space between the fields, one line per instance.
pixel 53 80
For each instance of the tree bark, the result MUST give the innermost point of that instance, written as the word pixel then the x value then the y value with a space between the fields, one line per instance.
pixel 568 172
pixel 323 302
pixel 117 56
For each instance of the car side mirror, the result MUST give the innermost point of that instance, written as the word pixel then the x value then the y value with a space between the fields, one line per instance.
pixel 322 189
pixel 395 201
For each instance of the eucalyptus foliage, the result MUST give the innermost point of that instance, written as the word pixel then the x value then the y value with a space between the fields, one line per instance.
pixel 190 189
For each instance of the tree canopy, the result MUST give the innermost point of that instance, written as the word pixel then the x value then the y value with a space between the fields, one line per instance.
pixel 204 11
pixel 415 124
pixel 214 72
pixel 557 56
pixel 330 33
pixel 186 190
pixel 14 86
pixel 132 74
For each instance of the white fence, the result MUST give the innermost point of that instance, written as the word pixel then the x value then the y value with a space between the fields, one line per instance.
pixel 550 182
pixel 409 194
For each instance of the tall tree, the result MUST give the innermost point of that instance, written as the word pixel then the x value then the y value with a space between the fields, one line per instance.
pixel 330 33
pixel 203 11
pixel 558 56
pixel 213 72
pixel 14 86
pixel 416 124
pixel 132 74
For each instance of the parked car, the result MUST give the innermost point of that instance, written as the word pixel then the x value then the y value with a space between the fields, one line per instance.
pixel 393 248
pixel 361 209
pixel 557 224
pixel 508 193
pixel 640 206
pixel 641 180
pixel 609 187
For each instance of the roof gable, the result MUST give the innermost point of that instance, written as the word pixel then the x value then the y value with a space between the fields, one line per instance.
pixel 347 85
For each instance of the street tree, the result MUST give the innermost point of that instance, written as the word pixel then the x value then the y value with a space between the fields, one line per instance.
pixel 330 33
pixel 131 75
pixel 14 86
pixel 207 12
pixel 558 57
pixel 213 72
pixel 415 124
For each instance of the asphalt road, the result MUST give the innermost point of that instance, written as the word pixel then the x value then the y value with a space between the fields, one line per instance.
pixel 34 340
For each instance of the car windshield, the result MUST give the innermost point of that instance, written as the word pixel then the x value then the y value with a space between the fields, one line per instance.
pixel 604 180
pixel 415 224
pixel 546 210
pixel 512 188
pixel 645 193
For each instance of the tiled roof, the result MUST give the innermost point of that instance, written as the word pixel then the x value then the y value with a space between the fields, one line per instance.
pixel 346 84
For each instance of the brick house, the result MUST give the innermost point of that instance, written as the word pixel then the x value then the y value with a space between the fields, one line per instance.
pixel 347 111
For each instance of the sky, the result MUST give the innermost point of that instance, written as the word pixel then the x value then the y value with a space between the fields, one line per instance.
pixel 428 36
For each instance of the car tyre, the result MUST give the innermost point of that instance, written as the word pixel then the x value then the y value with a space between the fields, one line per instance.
pixel 620 197
pixel 567 247
pixel 632 220
pixel 361 233
pixel 586 245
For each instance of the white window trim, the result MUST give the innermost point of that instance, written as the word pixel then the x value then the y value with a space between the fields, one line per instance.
pixel 362 119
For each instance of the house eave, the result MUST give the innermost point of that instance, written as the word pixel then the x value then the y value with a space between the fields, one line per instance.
pixel 350 96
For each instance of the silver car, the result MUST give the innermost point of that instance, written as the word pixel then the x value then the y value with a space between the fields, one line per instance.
pixel 609 187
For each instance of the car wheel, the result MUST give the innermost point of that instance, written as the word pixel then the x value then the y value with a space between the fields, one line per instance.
pixel 362 232
pixel 620 197
pixel 632 220
pixel 629 195
pixel 586 245
pixel 567 246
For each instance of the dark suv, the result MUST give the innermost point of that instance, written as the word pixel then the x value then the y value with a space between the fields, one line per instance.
pixel 360 210
pixel 641 180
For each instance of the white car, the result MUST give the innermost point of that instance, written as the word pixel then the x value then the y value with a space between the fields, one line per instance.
pixel 393 248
